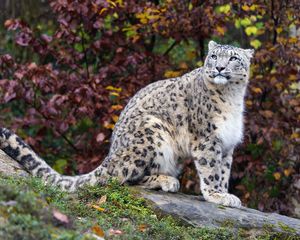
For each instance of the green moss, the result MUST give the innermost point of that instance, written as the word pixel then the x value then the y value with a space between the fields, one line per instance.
pixel 228 223
pixel 286 228
pixel 26 213
pixel 287 234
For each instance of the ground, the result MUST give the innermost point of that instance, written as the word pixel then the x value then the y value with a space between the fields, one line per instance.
pixel 31 210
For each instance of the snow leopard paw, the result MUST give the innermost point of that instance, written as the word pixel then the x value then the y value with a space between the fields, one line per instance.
pixel 169 184
pixel 225 199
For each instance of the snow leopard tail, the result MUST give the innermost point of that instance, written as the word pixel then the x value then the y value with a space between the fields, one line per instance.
pixel 18 150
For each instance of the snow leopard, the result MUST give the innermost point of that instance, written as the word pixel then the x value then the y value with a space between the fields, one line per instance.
pixel 197 116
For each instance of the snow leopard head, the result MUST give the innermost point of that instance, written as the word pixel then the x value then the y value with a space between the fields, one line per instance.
pixel 226 64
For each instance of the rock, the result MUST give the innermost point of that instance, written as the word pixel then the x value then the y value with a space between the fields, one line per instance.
pixel 10 167
pixel 195 211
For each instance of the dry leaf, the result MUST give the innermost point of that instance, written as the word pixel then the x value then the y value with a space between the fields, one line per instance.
pixel 115 232
pixel 143 227
pixel 102 200
pixel 60 216
pixel 98 231
pixel 100 209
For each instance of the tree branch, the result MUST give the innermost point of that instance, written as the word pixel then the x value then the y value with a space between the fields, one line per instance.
pixel 170 48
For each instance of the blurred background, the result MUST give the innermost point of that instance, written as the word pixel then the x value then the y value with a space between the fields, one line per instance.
pixel 67 69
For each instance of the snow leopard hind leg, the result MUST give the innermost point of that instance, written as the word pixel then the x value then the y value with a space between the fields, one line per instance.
pixel 146 157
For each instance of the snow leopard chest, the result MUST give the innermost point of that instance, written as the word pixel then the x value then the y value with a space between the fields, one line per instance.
pixel 230 128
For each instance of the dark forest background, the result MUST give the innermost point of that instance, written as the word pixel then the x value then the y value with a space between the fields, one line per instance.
pixel 67 69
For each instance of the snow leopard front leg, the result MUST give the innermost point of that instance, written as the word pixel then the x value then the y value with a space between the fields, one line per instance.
pixel 226 169
pixel 209 164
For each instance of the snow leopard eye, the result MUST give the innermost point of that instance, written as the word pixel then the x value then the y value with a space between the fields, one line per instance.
pixel 214 57
pixel 233 58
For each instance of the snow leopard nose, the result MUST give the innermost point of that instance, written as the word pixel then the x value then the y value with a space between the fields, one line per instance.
pixel 220 69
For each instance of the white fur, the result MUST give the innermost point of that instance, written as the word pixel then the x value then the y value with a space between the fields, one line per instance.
pixel 230 130
pixel 183 142
pixel 212 45
pixel 220 80
pixel 172 149
pixel 167 162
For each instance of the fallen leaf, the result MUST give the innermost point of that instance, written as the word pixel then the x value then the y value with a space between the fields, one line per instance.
pixel 102 200
pixel 98 231
pixel 143 227
pixel 115 232
pixel 100 209
pixel 60 216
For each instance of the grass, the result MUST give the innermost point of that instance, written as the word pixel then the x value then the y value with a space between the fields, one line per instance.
pixel 114 212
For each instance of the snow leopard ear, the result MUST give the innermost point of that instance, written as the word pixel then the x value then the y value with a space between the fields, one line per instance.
pixel 212 45
pixel 249 53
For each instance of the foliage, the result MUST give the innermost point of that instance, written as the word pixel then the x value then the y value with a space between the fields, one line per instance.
pixel 71 80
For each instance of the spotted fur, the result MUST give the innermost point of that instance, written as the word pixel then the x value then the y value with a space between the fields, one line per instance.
pixel 198 116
